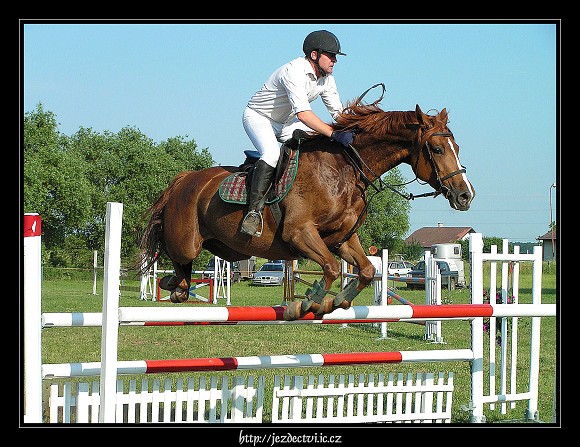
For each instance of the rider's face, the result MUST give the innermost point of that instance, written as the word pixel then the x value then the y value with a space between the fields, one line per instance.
pixel 327 61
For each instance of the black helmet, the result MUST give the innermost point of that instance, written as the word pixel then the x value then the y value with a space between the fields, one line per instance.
pixel 321 41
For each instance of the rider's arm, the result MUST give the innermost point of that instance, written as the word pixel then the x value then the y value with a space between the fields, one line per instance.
pixel 310 119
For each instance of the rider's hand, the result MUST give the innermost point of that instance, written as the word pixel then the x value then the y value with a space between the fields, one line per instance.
pixel 344 137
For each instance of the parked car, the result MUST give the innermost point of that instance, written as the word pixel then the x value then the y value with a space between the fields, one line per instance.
pixel 449 278
pixel 399 268
pixel 270 274
pixel 235 274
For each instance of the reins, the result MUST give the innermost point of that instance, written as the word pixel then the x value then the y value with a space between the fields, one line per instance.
pixel 357 162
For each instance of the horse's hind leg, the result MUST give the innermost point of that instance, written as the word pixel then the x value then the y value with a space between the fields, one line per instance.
pixel 180 293
pixel 179 283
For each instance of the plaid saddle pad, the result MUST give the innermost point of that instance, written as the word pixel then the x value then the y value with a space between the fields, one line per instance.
pixel 233 188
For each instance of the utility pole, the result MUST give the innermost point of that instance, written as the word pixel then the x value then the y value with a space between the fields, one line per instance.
pixel 551 221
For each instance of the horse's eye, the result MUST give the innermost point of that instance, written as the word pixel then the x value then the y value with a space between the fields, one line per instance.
pixel 437 150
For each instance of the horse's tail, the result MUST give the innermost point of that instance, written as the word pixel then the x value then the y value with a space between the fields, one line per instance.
pixel 152 241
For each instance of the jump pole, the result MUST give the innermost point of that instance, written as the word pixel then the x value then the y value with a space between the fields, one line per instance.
pixel 110 329
pixel 87 369
pixel 243 315
pixel 32 317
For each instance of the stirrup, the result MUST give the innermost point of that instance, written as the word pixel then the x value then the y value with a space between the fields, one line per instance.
pixel 253 231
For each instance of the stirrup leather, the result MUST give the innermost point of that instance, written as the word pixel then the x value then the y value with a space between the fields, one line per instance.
pixel 258 231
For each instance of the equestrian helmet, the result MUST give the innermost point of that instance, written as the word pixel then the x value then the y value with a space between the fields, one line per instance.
pixel 321 40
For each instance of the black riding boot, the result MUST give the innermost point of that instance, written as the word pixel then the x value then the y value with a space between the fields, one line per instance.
pixel 261 180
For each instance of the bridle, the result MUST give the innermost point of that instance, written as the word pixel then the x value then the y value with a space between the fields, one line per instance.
pixel 441 188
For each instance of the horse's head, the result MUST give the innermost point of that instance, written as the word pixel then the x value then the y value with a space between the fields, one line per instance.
pixel 436 160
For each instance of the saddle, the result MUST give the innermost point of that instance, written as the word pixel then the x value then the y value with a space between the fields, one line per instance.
pixel 235 187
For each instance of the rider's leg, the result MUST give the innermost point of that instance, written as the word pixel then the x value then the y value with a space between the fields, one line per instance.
pixel 262 133
pixel 261 180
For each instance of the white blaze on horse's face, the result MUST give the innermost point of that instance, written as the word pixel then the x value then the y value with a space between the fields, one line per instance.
pixel 463 175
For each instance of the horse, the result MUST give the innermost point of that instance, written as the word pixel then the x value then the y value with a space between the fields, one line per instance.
pixel 322 211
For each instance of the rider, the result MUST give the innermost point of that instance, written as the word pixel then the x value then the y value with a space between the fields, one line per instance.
pixel 282 105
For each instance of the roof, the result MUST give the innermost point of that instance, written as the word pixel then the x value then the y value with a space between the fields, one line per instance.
pixel 548 236
pixel 428 236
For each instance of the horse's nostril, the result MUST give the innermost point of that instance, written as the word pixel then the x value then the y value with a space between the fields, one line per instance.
pixel 465 197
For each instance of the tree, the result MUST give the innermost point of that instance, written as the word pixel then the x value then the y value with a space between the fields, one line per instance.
pixel 388 216
pixel 55 182
pixel 128 167
pixel 69 180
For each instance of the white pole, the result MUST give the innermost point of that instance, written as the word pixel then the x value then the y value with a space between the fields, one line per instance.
pixel 32 319
pixel 143 285
pixel 344 283
pixel 384 287
pixel 95 266
pixel 110 330
pixel 228 283
pixel 535 341
pixel 216 281
pixel 475 252
pixel 154 293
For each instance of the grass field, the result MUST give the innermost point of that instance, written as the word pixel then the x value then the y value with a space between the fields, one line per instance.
pixel 63 345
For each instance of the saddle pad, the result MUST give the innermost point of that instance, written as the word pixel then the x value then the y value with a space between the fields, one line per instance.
pixel 233 188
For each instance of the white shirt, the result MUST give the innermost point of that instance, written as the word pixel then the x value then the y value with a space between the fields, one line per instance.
pixel 291 89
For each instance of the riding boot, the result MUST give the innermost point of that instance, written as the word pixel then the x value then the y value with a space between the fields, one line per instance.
pixel 261 181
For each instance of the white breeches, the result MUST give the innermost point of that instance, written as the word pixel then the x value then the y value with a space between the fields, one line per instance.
pixel 266 135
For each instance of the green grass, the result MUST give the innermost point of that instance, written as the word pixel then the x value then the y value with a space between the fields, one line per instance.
pixel 64 345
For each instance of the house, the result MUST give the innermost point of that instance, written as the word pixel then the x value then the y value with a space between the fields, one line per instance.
pixel 428 236
pixel 548 248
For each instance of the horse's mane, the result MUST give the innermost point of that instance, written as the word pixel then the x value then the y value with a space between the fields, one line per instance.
pixel 370 118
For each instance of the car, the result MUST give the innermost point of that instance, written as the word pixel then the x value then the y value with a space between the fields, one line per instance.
pixel 235 274
pixel 399 268
pixel 449 278
pixel 270 274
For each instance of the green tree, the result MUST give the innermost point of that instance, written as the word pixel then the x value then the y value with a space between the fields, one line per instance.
pixel 388 216
pixel 55 182
pixel 128 167
pixel 413 251
pixel 69 180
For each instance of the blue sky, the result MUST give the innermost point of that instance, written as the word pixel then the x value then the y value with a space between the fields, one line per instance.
pixel 499 82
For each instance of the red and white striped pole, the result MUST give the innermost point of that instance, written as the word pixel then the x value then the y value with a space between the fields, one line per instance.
pixel 32 319
pixel 66 370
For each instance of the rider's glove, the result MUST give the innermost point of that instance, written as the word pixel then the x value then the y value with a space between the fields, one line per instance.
pixel 343 137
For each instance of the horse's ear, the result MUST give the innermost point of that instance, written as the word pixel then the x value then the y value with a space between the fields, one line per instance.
pixel 443 116
pixel 421 117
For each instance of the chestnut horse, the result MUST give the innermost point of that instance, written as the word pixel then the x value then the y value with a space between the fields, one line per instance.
pixel 325 206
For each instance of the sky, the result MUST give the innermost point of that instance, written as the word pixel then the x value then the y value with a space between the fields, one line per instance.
pixel 498 80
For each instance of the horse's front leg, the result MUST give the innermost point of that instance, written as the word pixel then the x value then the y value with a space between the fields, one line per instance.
pixel 308 242
pixel 353 253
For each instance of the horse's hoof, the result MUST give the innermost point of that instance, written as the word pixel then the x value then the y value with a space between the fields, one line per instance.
pixel 326 306
pixel 344 305
pixel 179 297
pixel 314 308
pixel 293 311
